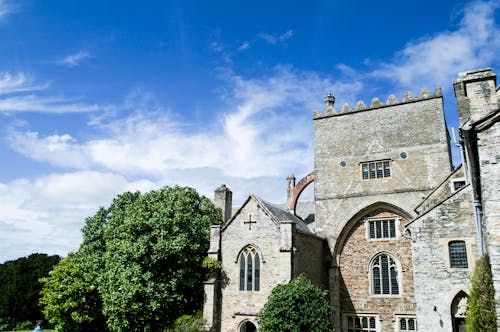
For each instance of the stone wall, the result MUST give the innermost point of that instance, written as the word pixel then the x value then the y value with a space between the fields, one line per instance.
pixel 489 158
pixel 443 191
pixel 412 135
pixel 310 257
pixel 355 291
pixel 435 282
pixel 275 264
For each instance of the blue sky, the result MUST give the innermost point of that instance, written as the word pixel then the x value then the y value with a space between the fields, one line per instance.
pixel 100 97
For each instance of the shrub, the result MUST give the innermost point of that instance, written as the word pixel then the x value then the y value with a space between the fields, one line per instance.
pixel 295 307
pixel 481 314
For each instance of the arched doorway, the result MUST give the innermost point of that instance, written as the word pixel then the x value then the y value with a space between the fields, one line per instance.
pixel 248 327
pixel 458 309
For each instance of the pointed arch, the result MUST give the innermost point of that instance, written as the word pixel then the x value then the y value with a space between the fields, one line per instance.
pixel 368 210
pixel 458 309
pixel 249 266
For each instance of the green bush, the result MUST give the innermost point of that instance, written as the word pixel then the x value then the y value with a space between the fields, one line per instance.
pixel 189 323
pixel 481 314
pixel 296 307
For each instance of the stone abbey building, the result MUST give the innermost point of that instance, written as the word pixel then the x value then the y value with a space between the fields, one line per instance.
pixel 394 229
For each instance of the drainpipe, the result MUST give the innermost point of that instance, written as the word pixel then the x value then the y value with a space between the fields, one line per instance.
pixel 472 159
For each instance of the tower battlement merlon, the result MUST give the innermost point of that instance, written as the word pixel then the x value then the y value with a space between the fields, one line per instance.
pixel 375 103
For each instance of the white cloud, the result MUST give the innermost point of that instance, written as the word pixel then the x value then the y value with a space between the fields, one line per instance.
pixel 73 60
pixel 19 93
pixel 244 46
pixel 264 125
pixel 6 8
pixel 47 213
pixel 273 39
pixel 433 59
pixel 35 103
pixel 19 82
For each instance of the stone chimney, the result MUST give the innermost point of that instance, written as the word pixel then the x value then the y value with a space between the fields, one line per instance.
pixel 476 95
pixel 223 199
pixel 291 187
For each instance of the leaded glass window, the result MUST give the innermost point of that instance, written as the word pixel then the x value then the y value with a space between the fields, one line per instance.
pixel 375 169
pixel 249 262
pixel 385 277
pixel 458 254
pixel 382 228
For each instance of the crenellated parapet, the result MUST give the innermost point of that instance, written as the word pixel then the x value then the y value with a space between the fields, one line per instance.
pixel 375 103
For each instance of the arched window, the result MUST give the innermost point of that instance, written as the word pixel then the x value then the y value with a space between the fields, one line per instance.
pixel 249 262
pixel 385 275
pixel 458 254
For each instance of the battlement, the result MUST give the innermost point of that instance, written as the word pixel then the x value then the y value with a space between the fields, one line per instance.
pixel 375 103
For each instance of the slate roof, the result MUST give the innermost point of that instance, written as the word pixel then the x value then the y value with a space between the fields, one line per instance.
pixel 280 215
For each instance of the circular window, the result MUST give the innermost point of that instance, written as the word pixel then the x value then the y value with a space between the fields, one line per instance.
pixel 403 155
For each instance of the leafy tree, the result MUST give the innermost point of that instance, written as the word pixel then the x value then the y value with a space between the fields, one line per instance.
pixel 144 256
pixel 20 288
pixel 70 296
pixel 295 307
pixel 481 314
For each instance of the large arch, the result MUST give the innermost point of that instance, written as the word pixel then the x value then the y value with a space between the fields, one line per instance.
pixel 351 223
pixel 298 189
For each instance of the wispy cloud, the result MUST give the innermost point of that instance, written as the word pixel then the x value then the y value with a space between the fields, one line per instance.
pixel 6 8
pixel 35 103
pixel 74 60
pixel 238 144
pixel 13 83
pixel 275 39
pixel 19 93
pixel 431 60
pixel 244 46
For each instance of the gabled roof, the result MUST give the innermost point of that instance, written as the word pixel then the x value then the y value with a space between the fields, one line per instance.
pixel 275 213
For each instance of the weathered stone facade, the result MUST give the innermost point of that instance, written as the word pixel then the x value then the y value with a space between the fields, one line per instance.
pixel 394 232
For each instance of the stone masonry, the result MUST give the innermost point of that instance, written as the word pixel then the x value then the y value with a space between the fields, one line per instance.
pixel 388 209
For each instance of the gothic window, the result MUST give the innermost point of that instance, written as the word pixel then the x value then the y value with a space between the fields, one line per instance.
pixel 385 275
pixel 375 169
pixel 381 228
pixel 360 323
pixel 407 323
pixel 249 262
pixel 458 254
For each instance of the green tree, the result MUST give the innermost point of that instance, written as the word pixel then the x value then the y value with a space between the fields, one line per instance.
pixel 70 296
pixel 144 256
pixel 20 288
pixel 295 307
pixel 481 314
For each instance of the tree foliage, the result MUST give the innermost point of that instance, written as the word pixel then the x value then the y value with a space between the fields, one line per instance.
pixel 295 307
pixel 481 314
pixel 144 256
pixel 20 288
pixel 70 296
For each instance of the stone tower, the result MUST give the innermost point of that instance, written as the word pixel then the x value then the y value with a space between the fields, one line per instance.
pixel 373 165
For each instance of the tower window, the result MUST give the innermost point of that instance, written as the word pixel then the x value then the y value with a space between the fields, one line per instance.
pixel 375 169
pixel 381 229
pixel 458 254
pixel 408 323
pixel 385 276
pixel 360 323
pixel 249 262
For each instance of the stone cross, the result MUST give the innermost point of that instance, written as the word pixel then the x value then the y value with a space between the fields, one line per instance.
pixel 250 222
